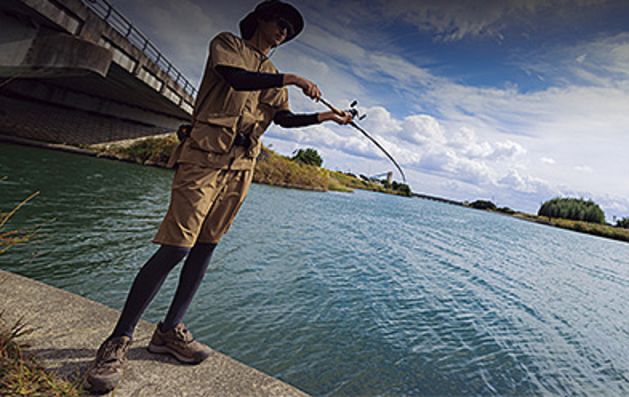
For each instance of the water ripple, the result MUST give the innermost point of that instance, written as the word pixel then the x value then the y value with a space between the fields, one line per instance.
pixel 348 294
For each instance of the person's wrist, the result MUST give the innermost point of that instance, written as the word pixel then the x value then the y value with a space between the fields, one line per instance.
pixel 326 116
pixel 290 79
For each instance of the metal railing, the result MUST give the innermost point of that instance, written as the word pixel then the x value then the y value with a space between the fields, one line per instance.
pixel 122 25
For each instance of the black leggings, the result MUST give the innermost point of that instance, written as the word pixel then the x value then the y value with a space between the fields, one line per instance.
pixel 152 276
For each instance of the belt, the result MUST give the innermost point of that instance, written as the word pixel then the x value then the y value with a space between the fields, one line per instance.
pixel 241 139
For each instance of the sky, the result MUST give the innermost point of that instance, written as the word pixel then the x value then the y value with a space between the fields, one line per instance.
pixel 513 101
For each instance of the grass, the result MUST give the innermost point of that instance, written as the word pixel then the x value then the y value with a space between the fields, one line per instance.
pixel 20 372
pixel 9 238
pixel 146 151
pixel 27 235
pixel 276 170
pixel 607 231
pixel 334 184
pixel 356 183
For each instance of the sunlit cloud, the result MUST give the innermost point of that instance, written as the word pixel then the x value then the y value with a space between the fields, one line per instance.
pixel 548 160
pixel 565 134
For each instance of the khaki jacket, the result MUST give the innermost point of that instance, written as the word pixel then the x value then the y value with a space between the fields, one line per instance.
pixel 220 111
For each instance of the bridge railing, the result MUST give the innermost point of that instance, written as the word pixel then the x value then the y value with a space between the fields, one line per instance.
pixel 122 25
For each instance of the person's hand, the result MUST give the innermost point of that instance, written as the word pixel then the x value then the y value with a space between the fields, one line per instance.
pixel 310 89
pixel 346 118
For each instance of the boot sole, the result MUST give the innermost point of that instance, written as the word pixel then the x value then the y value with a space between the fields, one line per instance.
pixel 165 350
pixel 101 387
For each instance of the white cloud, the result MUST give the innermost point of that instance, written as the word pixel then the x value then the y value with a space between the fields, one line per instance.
pixel 524 183
pixel 584 169
pixel 421 143
pixel 421 130
pixel 496 140
pixel 507 150
pixel 465 139
pixel 548 160
pixel 476 140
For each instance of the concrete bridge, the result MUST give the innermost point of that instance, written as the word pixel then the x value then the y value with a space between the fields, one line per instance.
pixel 78 72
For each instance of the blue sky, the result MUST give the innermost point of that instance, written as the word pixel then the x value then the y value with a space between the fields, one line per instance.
pixel 515 101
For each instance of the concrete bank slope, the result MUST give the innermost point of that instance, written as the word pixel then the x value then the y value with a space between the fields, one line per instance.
pixel 68 330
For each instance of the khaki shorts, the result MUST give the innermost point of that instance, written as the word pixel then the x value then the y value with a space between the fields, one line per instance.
pixel 203 204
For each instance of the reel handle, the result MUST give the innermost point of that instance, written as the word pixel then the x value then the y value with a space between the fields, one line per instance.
pixel 352 110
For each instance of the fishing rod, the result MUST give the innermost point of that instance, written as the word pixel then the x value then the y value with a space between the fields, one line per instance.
pixel 354 112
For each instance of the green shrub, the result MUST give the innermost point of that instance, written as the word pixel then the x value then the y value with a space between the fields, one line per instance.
pixel 276 170
pixel 572 209
pixel 483 205
pixel 308 156
pixel 624 223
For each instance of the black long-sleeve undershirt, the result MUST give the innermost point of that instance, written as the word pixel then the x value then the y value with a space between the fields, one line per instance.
pixel 244 80
pixel 288 119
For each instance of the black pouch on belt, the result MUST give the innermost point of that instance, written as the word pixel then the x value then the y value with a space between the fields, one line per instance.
pixel 183 132
pixel 242 140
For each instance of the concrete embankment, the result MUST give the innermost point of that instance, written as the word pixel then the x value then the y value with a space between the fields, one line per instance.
pixel 68 330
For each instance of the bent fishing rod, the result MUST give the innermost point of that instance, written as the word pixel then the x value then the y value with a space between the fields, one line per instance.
pixel 354 112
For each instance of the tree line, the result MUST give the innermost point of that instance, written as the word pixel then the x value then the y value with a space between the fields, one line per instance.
pixel 563 208
pixel 572 209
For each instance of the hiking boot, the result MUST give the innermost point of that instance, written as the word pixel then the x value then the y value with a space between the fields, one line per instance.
pixel 180 343
pixel 106 370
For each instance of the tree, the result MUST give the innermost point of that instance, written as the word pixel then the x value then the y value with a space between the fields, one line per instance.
pixel 624 223
pixel 402 188
pixel 484 205
pixel 308 156
pixel 572 209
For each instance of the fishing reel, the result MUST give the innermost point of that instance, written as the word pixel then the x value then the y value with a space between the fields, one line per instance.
pixel 354 112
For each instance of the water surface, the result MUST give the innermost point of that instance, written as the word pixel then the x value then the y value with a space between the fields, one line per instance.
pixel 347 294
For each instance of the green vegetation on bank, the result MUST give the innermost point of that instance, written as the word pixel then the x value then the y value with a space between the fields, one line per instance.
pixel 624 223
pixel 572 209
pixel 148 151
pixel 353 182
pixel 489 206
pixel 308 156
pixel 596 229
pixel 302 171
pixel 276 170
pixel 556 212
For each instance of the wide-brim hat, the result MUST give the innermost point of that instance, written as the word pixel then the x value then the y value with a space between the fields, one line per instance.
pixel 268 8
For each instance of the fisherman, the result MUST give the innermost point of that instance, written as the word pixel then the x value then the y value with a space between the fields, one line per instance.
pixel 240 95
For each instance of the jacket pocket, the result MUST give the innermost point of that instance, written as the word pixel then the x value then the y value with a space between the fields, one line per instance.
pixel 215 134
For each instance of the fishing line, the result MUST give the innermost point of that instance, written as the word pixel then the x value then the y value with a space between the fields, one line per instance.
pixel 354 112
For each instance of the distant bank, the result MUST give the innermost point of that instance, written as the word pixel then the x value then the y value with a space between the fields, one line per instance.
pixel 276 170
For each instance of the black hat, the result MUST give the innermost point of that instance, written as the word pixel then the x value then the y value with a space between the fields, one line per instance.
pixel 270 8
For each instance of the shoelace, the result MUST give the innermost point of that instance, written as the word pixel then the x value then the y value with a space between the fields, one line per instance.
pixel 183 334
pixel 114 352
